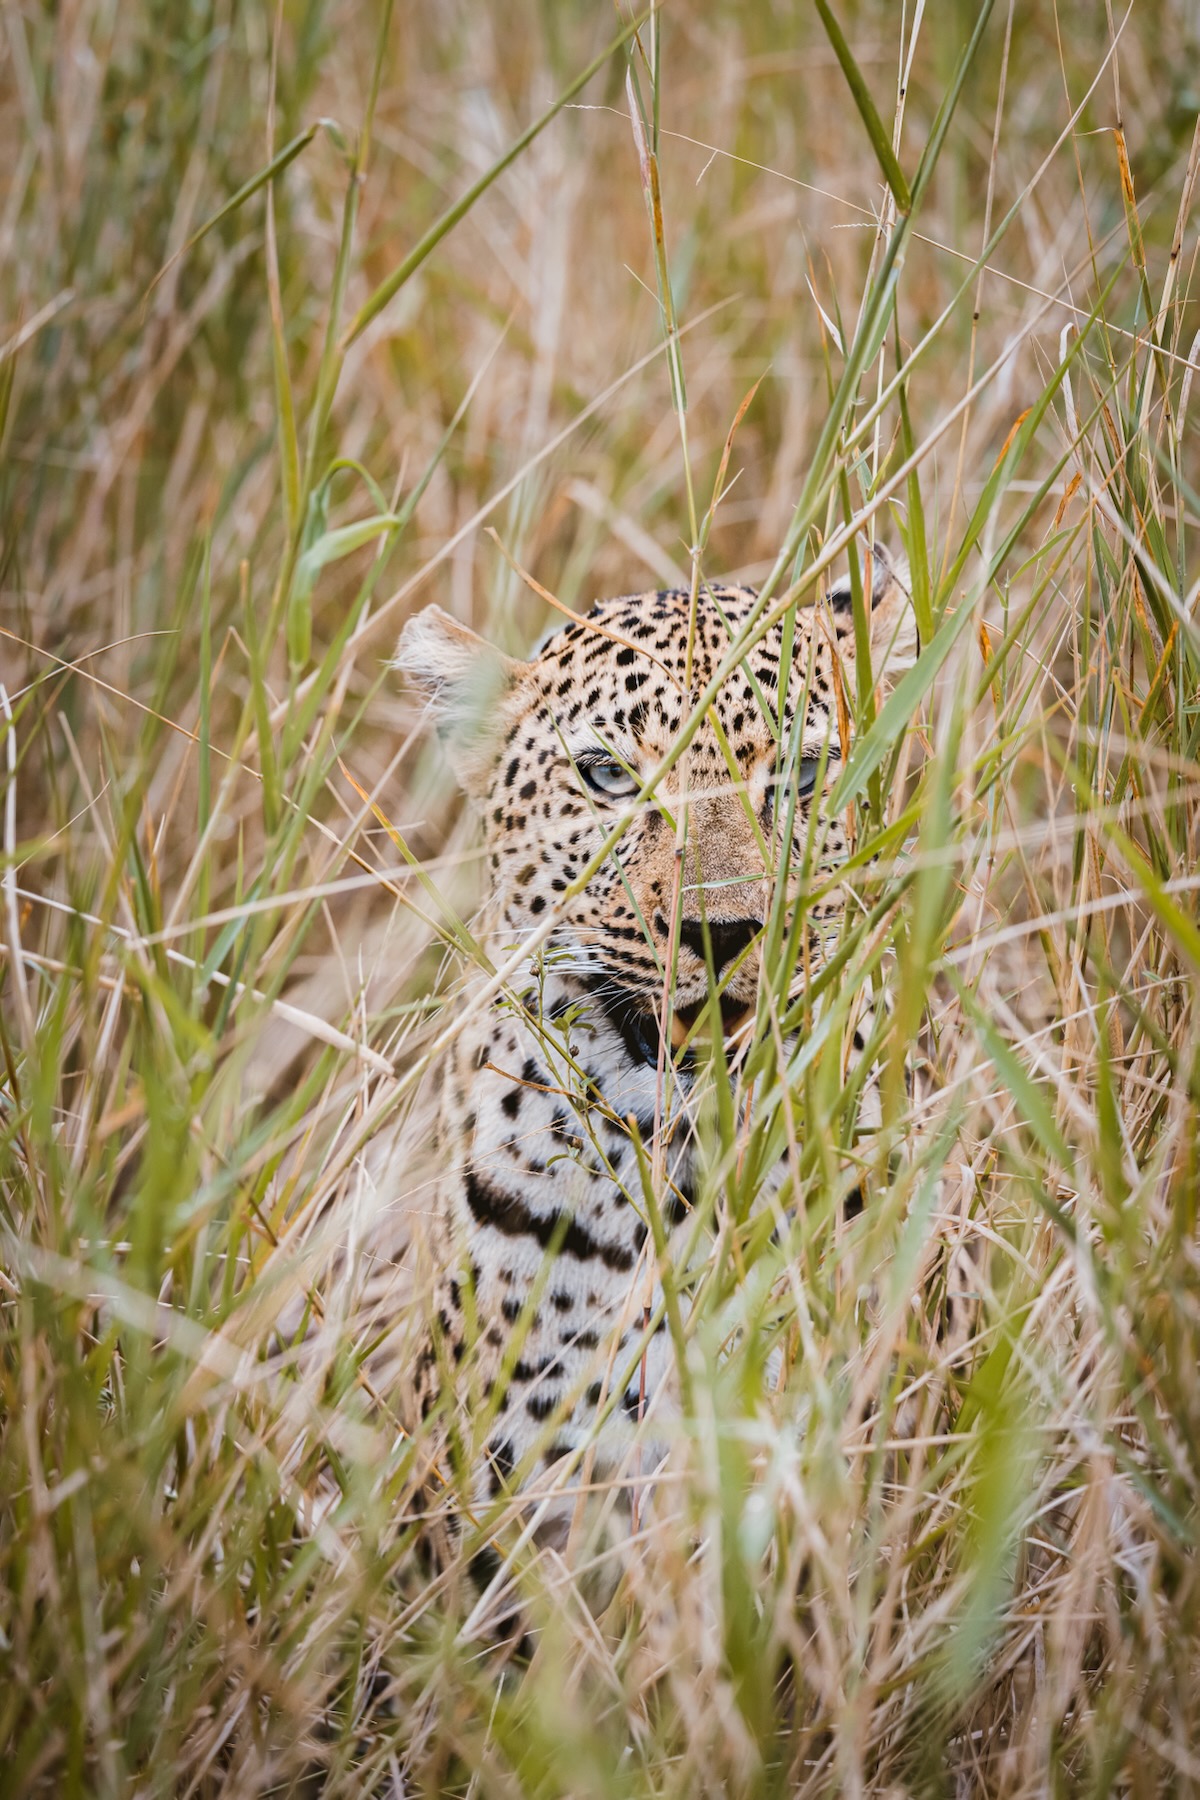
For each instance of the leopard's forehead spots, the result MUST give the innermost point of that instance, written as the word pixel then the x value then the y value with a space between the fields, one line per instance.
pixel 623 674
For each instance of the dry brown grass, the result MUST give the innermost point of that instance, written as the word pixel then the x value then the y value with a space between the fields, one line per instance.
pixel 928 1564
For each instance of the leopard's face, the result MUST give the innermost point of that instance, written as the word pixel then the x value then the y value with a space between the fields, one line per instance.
pixel 557 754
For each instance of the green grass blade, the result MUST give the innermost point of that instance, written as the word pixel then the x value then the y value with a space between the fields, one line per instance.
pixel 388 289
pixel 881 143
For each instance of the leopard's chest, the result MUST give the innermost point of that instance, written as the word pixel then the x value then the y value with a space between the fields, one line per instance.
pixel 545 1235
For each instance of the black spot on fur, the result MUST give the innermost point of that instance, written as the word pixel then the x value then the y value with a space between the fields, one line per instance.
pixel 678 1202
pixel 503 1460
pixel 485 1566
pixel 507 1213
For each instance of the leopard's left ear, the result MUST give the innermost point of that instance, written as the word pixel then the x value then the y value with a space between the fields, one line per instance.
pixel 465 680
pixel 894 641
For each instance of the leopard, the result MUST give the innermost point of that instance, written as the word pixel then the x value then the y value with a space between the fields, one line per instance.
pixel 636 779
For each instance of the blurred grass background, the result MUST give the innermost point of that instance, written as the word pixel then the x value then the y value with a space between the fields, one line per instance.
pixel 206 1582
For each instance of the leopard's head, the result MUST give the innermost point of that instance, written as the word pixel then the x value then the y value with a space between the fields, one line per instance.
pixel 555 752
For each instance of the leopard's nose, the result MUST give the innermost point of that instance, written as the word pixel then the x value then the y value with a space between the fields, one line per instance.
pixel 728 937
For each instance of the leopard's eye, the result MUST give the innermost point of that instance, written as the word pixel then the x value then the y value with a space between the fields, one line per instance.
pixel 606 776
pixel 806 775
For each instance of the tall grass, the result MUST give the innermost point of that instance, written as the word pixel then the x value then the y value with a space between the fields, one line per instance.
pixel 264 378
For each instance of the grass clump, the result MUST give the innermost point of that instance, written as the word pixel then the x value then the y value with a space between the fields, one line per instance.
pixel 264 377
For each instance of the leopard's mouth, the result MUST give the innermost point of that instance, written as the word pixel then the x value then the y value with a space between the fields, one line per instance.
pixel 639 1024
pixel 735 1015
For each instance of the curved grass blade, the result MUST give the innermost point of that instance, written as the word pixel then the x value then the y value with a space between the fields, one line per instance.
pixel 371 308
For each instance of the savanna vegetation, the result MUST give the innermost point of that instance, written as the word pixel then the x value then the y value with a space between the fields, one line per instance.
pixel 312 313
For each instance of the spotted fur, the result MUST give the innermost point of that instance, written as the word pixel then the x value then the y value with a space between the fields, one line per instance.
pixel 546 1309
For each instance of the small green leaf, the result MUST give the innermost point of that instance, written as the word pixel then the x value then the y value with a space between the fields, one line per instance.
pixel 899 706
pixel 331 546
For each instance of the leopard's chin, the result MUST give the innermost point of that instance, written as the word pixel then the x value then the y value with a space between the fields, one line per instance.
pixel 638 1022
pixel 690 1018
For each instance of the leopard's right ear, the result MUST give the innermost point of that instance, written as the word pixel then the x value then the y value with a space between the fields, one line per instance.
pixel 464 679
